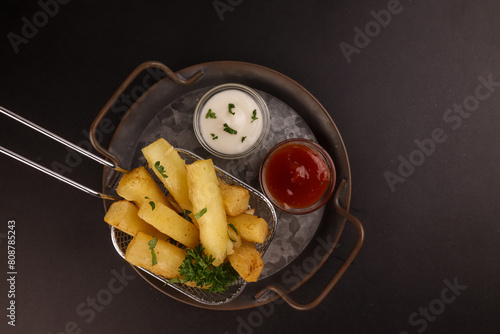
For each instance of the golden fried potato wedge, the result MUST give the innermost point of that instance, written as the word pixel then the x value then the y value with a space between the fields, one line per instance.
pixel 246 260
pixel 234 198
pixel 251 228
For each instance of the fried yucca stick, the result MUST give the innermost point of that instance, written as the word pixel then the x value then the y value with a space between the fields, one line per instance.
pixel 139 187
pixel 167 221
pixel 208 208
pixel 168 256
pixel 123 216
pixel 170 169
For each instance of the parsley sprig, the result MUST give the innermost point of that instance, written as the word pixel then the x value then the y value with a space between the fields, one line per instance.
pixel 198 267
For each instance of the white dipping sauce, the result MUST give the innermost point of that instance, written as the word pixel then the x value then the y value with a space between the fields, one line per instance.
pixel 230 133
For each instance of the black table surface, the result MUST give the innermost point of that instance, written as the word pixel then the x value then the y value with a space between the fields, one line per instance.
pixel 413 87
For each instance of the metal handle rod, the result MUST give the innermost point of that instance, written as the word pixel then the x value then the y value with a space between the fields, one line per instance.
pixel 55 175
pixel 61 140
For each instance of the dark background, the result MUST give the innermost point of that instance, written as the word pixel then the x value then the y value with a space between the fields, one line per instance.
pixel 439 227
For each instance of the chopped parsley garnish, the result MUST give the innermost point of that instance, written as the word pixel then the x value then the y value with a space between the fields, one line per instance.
pixel 186 215
pixel 214 137
pixel 243 139
pixel 229 107
pixel 229 130
pixel 151 203
pixel 152 245
pixel 230 237
pixel 201 213
pixel 210 114
pixel 199 268
pixel 254 115
pixel 233 228
pixel 161 169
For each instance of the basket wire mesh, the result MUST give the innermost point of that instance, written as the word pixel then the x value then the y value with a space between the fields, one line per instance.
pixel 259 202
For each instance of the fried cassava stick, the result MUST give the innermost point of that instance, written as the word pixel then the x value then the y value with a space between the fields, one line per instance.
pixel 208 207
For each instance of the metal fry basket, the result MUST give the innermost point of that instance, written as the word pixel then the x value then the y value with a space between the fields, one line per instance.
pixel 263 208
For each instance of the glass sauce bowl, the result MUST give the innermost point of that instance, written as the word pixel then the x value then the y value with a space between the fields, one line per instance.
pixel 298 176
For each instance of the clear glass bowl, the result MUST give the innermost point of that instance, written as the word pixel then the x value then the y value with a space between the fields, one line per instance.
pixel 286 157
pixel 211 139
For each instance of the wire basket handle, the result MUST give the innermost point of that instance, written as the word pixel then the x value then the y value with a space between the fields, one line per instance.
pixel 66 143
pixel 359 227
pixel 144 66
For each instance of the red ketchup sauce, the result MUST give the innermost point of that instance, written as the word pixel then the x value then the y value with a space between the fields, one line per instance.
pixel 297 176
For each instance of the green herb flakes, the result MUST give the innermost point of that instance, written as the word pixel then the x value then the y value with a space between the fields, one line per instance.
pixel 210 114
pixel 161 169
pixel 254 115
pixel 186 214
pixel 230 106
pixel 233 228
pixel 152 245
pixel 201 213
pixel 229 130
pixel 230 237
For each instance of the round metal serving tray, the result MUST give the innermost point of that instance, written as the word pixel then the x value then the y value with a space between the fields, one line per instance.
pixel 165 110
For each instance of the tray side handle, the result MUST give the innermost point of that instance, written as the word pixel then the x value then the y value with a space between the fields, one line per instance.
pixel 142 67
pixel 359 227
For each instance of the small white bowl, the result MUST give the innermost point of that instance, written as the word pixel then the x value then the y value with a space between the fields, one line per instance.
pixel 231 132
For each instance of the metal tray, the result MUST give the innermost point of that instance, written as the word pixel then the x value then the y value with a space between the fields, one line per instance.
pixel 165 110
